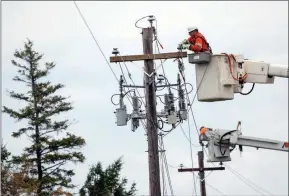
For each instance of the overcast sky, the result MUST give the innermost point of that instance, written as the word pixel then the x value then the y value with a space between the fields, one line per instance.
pixel 258 30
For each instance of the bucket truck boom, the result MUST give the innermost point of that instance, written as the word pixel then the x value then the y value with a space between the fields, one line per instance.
pixel 221 142
pixel 220 76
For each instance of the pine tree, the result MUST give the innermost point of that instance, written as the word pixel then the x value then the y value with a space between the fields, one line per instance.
pixel 47 153
pixel 106 182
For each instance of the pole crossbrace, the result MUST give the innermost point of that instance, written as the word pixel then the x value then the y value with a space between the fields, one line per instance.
pixel 201 171
pixel 129 58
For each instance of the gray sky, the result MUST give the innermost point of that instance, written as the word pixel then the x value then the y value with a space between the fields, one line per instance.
pixel 259 30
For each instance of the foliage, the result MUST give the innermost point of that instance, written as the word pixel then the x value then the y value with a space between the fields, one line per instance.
pixel 47 154
pixel 15 181
pixel 106 182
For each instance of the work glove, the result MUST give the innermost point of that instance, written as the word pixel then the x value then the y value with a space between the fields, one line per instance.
pixel 185 46
pixel 185 41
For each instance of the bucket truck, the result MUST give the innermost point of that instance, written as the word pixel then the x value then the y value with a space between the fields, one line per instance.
pixel 221 143
pixel 220 76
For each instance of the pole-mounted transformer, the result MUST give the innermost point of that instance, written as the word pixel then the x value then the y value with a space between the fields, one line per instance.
pixel 121 112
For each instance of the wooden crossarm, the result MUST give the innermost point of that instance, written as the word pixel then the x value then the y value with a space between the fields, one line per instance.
pixel 171 55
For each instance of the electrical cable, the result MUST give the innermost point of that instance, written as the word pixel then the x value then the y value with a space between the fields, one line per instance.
pixel 140 20
pixel 122 73
pixel 126 94
pixel 95 40
pixel 253 188
pixel 190 85
pixel 221 139
pixel 161 89
pixel 190 141
pixel 163 176
pixel 215 189
pixel 242 178
pixel 191 103
pixel 249 91
pixel 167 132
pixel 191 153
pixel 246 180
pixel 161 99
pixel 162 168
pixel 111 99
pixel 143 124
pixel 166 167
pixel 81 15
pixel 168 83
pixel 231 69
pixel 190 136
pixel 205 176
pixel 161 120
pixel 187 136
pixel 172 166
pixel 199 86
pixel 173 128
pixel 150 118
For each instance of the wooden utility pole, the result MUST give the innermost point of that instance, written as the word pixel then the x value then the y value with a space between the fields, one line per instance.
pixel 201 171
pixel 150 97
pixel 152 130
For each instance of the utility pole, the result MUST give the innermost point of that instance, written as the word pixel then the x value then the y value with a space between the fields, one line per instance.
pixel 150 100
pixel 201 171
pixel 152 130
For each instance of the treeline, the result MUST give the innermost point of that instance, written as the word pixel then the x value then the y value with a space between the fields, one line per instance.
pixel 40 168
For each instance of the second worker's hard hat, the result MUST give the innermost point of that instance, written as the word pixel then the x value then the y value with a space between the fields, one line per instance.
pixel 190 29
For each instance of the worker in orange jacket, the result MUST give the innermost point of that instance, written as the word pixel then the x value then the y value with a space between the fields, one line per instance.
pixel 196 42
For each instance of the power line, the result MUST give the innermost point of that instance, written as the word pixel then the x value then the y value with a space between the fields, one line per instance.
pixel 190 139
pixel 253 188
pixel 215 189
pixel 246 181
pixel 95 40
pixel 80 13
pixel 187 136
pixel 162 171
pixel 166 167
pixel 243 179
pixel 191 153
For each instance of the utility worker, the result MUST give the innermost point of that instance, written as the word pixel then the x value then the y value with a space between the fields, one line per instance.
pixel 196 42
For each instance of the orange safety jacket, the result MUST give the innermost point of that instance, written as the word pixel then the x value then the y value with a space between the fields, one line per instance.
pixel 199 43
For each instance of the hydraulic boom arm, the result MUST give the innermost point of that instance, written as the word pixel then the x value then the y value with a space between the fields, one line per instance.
pixel 222 142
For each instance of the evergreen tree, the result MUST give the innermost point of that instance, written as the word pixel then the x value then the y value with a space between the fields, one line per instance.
pixel 47 153
pixel 106 182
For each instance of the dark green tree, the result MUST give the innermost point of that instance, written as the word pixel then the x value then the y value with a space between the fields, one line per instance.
pixel 106 182
pixel 48 152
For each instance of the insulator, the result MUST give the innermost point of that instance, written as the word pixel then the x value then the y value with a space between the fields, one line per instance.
pixel 135 103
pixel 166 107
pixel 115 51
pixel 171 102
pixel 182 103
